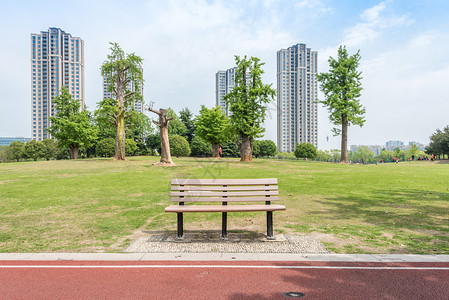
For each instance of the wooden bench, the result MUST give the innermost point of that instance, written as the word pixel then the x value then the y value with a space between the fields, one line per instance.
pixel 238 191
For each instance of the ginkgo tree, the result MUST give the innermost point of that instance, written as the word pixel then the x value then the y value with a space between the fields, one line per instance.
pixel 121 71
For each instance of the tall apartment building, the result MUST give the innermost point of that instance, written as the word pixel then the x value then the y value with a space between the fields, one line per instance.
pixel 224 84
pixel 57 59
pixel 138 105
pixel 297 110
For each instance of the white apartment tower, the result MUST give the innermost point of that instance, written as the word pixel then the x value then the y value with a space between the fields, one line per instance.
pixel 224 84
pixel 296 98
pixel 138 105
pixel 57 59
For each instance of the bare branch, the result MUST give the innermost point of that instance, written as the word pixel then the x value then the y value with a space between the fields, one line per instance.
pixel 155 111
pixel 157 123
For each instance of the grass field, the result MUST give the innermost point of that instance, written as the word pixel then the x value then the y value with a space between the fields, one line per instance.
pixel 95 205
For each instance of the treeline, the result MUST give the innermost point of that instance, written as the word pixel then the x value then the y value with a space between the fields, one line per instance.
pixel 142 139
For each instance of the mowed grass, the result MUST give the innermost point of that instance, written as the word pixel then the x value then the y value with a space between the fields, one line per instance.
pixel 96 205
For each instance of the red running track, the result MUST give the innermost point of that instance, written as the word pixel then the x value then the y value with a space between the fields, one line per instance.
pixel 221 280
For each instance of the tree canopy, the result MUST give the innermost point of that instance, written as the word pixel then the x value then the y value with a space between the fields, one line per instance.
pixel 305 150
pixel 342 89
pixel 70 126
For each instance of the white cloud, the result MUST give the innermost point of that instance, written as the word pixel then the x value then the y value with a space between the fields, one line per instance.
pixel 374 24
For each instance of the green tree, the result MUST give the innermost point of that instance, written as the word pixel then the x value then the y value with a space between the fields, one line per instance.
pixel 103 118
pixel 48 148
pixel 186 117
pixel 305 150
pixel 413 151
pixel 264 148
pixel 14 151
pixel 105 147
pixel 439 143
pixel 177 127
pixel 342 90
pixel 179 146
pixel 139 129
pixel 33 150
pixel 153 143
pixel 213 126
pixel 70 126
pixel 200 148
pixel 247 104
pixel 122 70
pixel 3 154
pixel 230 149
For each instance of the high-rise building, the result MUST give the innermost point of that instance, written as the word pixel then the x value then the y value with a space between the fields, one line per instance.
pixel 224 84
pixel 297 109
pixel 57 59
pixel 138 105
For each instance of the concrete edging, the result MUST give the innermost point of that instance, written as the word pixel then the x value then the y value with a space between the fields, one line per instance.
pixel 221 257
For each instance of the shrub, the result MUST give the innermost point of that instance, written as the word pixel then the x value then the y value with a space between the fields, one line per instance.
pixel 200 148
pixel 305 150
pixel 179 146
pixel 106 147
pixel 130 146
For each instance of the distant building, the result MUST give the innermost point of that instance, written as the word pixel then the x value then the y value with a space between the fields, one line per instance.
pixel 394 144
pixel 6 141
pixel 224 84
pixel 297 90
pixel 138 105
pixel 57 59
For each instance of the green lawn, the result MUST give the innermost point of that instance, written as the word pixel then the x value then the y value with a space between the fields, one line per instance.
pixel 96 204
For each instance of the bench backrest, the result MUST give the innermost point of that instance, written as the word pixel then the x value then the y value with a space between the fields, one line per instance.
pixel 224 190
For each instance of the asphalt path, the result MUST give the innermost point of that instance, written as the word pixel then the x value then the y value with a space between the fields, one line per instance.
pixel 223 280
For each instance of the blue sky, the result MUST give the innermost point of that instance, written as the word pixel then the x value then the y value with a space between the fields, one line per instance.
pixel 404 47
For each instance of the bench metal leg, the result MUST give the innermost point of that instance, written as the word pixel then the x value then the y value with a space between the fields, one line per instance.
pixel 270 235
pixel 224 225
pixel 180 234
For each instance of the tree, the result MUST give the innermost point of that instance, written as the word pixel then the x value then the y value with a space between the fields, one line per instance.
pixel 341 88
pixel 439 142
pixel 48 148
pixel 33 150
pixel 305 150
pixel 164 120
pixel 103 121
pixel 264 148
pixel 230 149
pixel 200 148
pixel 70 126
pixel 213 126
pixel 105 147
pixel 413 151
pixel 186 117
pixel 14 151
pixel 122 71
pixel 177 127
pixel 179 146
pixel 139 128
pixel 153 143
pixel 247 104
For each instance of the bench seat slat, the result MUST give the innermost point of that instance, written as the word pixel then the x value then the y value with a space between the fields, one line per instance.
pixel 224 188
pixel 178 181
pixel 219 199
pixel 223 208
pixel 222 194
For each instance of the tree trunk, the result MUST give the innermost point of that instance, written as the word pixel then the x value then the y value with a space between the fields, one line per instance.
pixel 344 140
pixel 74 152
pixel 120 119
pixel 215 150
pixel 246 149
pixel 165 146
pixel 120 137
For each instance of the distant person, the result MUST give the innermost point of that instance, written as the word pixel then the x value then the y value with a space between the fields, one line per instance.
pixel 220 151
pixel 409 160
pixel 381 161
pixel 413 157
pixel 432 157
